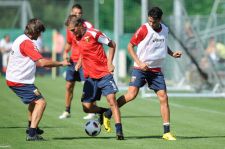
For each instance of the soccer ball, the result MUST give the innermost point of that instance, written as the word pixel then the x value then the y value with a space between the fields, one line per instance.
pixel 92 128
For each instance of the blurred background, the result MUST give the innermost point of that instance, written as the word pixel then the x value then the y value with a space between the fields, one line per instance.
pixel 197 28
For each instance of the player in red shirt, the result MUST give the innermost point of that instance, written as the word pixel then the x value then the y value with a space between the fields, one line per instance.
pixel 98 71
pixel 20 75
pixel 73 74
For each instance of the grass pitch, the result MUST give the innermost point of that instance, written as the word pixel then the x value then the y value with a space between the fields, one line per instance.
pixel 198 124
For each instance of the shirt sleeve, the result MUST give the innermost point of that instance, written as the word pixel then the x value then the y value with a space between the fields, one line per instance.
pixel 88 24
pixel 69 37
pixel 102 38
pixel 28 48
pixel 139 35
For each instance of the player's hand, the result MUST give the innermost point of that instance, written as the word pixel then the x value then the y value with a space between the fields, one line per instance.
pixel 177 54
pixel 143 66
pixel 65 63
pixel 66 57
pixel 77 67
pixel 111 68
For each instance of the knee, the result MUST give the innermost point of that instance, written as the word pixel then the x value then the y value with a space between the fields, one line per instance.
pixel 69 87
pixel 86 109
pixel 163 99
pixel 44 103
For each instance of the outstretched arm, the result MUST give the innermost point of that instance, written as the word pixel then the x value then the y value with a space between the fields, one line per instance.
pixel 49 63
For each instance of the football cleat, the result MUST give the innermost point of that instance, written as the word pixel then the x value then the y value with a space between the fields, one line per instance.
pixel 64 115
pixel 119 136
pixel 89 116
pixel 35 138
pixel 38 131
pixel 106 123
pixel 168 136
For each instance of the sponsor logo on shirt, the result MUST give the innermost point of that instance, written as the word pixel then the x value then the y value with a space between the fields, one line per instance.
pixel 87 39
pixel 158 40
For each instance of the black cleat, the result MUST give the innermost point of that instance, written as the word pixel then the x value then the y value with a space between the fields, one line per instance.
pixel 119 136
pixel 39 131
pixel 35 138
pixel 100 119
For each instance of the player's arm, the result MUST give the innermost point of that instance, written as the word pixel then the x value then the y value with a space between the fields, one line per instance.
pixel 79 63
pixel 133 54
pixel 67 49
pixel 102 38
pixel 49 63
pixel 28 49
pixel 112 49
pixel 176 54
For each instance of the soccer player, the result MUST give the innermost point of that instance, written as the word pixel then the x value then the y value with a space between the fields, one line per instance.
pixel 97 71
pixel 151 42
pixel 20 75
pixel 73 74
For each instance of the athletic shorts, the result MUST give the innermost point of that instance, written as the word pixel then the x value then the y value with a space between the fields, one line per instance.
pixel 72 75
pixel 155 80
pixel 28 93
pixel 94 88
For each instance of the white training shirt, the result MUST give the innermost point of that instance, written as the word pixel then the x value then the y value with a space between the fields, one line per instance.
pixel 151 45
pixel 21 66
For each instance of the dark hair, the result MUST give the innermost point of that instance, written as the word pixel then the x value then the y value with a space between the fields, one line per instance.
pixel 155 12
pixel 73 19
pixel 78 6
pixel 34 26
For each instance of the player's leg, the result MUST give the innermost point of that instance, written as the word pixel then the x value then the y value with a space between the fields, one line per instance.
pixel 157 83
pixel 137 81
pixel 29 94
pixel 164 108
pixel 70 83
pixel 90 107
pixel 91 93
pixel 165 112
pixel 30 111
pixel 90 115
pixel 116 114
pixel 122 100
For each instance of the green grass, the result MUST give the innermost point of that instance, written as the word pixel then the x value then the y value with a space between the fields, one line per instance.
pixel 198 124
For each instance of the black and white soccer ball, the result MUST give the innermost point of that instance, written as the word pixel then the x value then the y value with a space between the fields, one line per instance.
pixel 92 128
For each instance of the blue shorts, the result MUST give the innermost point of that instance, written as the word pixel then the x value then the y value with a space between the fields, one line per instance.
pixel 155 80
pixel 94 88
pixel 28 93
pixel 72 75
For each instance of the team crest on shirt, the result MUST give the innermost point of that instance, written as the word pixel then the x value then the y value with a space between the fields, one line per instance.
pixel 133 78
pixel 87 39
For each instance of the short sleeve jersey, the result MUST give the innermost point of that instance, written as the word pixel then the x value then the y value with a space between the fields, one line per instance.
pixel 94 60
pixel 151 45
pixel 21 65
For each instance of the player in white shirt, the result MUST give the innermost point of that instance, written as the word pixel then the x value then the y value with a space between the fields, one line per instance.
pixel 20 75
pixel 151 42
pixel 5 48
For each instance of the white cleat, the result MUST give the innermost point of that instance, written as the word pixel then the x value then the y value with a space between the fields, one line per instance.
pixel 64 115
pixel 89 116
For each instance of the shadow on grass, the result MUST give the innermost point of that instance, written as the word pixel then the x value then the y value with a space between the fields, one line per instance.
pixel 126 138
pixel 138 137
pixel 198 137
pixel 18 127
pixel 141 116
